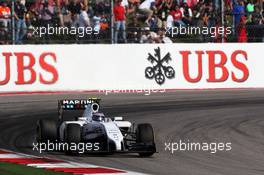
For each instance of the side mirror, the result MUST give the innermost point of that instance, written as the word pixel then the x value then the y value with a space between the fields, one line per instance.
pixel 118 118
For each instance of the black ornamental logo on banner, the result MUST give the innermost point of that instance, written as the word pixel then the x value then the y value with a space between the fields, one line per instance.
pixel 159 69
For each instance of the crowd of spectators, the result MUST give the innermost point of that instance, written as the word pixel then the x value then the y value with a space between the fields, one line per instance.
pixel 135 21
pixel 31 14
pixel 147 20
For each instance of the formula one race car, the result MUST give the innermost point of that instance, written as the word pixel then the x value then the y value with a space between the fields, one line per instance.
pixel 107 135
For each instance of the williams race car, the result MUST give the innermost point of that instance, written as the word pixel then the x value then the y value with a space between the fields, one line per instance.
pixel 110 134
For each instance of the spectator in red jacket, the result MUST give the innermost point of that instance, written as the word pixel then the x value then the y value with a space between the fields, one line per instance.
pixel 242 32
pixel 5 15
pixel 120 23
pixel 177 16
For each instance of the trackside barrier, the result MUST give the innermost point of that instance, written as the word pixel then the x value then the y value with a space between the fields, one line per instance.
pixel 31 68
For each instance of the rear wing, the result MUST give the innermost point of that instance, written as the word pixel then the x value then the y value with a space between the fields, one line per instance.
pixel 75 104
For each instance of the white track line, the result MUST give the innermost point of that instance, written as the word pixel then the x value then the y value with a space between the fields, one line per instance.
pixel 126 173
pixel 61 165
pixel 11 156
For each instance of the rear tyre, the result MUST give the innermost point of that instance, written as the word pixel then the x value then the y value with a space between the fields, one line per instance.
pixel 145 136
pixel 46 130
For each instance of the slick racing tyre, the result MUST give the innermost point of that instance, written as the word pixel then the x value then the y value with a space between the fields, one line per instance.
pixel 145 136
pixel 72 136
pixel 46 130
pixel 73 133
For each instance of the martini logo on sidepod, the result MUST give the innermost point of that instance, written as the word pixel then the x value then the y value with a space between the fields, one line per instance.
pixel 159 70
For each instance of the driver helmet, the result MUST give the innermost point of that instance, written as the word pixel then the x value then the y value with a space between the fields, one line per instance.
pixel 98 117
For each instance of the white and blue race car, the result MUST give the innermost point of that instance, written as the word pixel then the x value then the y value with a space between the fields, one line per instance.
pixel 110 134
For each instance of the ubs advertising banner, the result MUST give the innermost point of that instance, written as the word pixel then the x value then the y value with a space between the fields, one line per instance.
pixel 117 67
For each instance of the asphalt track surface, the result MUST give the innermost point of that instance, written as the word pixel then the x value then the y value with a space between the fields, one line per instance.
pixel 200 116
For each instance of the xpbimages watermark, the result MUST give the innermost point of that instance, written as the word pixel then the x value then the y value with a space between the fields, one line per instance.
pixel 75 31
pixel 212 147
pixel 144 91
pixel 194 30
pixel 65 147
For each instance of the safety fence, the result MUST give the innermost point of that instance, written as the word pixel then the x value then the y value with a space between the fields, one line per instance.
pixel 76 35
pixel 44 23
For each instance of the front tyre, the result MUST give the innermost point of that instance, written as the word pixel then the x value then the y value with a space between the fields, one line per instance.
pixel 145 136
pixel 72 136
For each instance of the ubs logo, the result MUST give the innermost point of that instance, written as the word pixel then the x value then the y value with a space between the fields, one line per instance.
pixel 159 70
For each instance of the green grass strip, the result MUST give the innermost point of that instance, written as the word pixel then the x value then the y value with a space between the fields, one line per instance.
pixel 15 169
